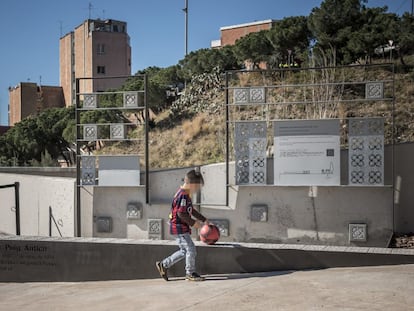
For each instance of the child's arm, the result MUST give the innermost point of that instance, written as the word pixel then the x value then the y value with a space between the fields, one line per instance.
pixel 198 215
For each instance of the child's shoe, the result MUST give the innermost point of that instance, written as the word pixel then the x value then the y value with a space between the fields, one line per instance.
pixel 194 277
pixel 163 271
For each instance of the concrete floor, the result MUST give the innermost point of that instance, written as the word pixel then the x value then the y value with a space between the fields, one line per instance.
pixel 364 288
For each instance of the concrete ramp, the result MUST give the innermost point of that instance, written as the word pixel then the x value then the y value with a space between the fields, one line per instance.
pixel 45 259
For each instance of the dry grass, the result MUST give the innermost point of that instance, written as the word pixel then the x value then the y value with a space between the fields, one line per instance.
pixel 201 140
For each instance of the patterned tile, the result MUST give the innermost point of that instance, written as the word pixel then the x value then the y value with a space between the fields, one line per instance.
pixel 258 213
pixel 357 232
pixel 155 231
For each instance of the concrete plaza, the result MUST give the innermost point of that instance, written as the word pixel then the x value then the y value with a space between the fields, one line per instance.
pixel 361 288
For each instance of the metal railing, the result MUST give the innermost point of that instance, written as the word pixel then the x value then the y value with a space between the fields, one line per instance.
pixel 16 186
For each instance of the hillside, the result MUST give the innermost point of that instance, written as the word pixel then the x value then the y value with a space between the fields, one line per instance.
pixel 192 130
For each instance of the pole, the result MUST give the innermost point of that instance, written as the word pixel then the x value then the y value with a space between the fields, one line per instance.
pixel 147 171
pixel 78 159
pixel 227 139
pixel 17 199
pixel 186 27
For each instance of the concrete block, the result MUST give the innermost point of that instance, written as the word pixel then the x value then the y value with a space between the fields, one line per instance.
pixel 155 231
pixel 90 132
pixel 104 224
pixel 117 131
pixel 358 232
pixel 134 210
pixel 131 99
pixel 258 213
pixel 90 101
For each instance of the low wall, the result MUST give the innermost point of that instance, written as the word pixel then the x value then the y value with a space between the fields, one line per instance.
pixel 291 217
pixel 56 259
pixel 37 193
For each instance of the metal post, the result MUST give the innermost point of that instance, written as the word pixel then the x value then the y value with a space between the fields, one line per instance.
pixel 17 203
pixel 50 221
pixel 227 140
pixel 147 179
pixel 393 147
pixel 186 27
pixel 78 159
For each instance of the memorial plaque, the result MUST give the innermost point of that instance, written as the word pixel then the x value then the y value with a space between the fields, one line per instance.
pixel 307 152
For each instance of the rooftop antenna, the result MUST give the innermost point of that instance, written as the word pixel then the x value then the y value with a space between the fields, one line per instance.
pixel 90 7
pixel 61 28
pixel 186 26
pixel 40 80
pixel 103 14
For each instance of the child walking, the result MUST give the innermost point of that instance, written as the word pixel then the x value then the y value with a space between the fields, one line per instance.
pixel 181 221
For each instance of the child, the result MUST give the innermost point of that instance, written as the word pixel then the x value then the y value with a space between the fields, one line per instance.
pixel 181 221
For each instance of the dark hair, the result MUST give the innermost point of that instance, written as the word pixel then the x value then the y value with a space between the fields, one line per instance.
pixel 194 177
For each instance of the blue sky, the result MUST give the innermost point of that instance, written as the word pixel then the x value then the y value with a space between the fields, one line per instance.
pixel 30 30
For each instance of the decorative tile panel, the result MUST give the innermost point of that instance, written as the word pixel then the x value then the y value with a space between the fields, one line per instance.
pixel 117 131
pixel 374 90
pixel 258 213
pixel 88 170
pixel 357 232
pixel 90 101
pixel 250 151
pixel 366 151
pixel 131 99
pixel 90 132
pixel 155 231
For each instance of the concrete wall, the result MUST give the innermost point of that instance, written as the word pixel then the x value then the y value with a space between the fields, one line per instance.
pixel 292 217
pixel 37 193
pixel 57 260
pixel 404 171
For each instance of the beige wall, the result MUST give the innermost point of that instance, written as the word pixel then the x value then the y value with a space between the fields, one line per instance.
pixel 83 57
pixel 65 49
pixel 29 99
pixel 116 59
pixel 15 112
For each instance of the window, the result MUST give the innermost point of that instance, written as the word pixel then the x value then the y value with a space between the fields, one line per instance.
pixel 101 49
pixel 115 27
pixel 101 70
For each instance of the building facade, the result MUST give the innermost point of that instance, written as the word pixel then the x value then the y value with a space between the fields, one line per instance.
pixel 230 34
pixel 95 49
pixel 28 99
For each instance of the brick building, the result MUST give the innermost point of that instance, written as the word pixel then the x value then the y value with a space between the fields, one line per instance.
pixel 96 48
pixel 230 34
pixel 28 99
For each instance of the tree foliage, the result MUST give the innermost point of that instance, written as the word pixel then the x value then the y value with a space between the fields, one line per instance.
pixel 33 137
pixel 206 60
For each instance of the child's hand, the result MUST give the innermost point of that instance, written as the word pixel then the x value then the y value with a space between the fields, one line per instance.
pixel 198 225
pixel 206 222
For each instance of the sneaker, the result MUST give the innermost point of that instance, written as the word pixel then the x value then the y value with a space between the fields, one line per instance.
pixel 194 277
pixel 163 271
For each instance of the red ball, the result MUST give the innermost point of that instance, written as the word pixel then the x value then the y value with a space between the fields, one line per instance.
pixel 209 234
